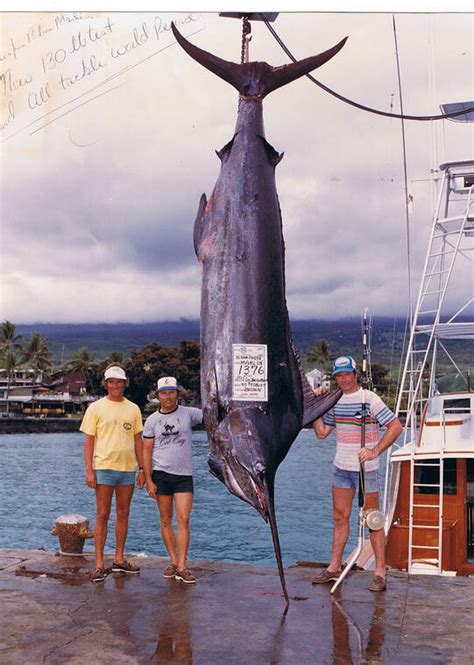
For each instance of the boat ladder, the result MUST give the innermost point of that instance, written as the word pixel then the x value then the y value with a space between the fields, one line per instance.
pixel 418 530
pixel 446 244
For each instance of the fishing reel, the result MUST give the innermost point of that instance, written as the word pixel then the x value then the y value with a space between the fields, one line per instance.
pixel 374 519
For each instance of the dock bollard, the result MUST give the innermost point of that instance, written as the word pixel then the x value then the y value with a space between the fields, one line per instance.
pixel 72 530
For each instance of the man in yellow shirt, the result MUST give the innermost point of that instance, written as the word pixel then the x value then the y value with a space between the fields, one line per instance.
pixel 112 446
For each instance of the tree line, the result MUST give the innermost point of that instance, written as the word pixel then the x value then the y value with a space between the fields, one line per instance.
pixel 143 366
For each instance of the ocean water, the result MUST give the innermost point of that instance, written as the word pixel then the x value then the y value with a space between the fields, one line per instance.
pixel 43 478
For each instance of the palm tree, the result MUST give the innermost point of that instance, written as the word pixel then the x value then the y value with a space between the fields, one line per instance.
pixel 35 352
pixel 115 357
pixel 10 363
pixel 83 362
pixel 9 338
pixel 319 353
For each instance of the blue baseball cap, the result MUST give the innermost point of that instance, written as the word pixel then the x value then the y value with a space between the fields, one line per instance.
pixel 344 364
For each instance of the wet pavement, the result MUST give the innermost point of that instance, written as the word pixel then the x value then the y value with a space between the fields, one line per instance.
pixel 51 613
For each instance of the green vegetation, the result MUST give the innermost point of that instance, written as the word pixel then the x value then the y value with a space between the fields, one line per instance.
pixel 89 348
pixel 153 361
pixel 143 367
pixel 319 354
pixel 33 352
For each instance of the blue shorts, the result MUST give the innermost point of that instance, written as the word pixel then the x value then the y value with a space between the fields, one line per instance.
pixel 114 478
pixel 350 480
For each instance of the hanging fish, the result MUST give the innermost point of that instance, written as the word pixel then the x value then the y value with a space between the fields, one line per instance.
pixel 239 241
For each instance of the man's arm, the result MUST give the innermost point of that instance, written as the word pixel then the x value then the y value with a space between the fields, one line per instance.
pixel 148 444
pixel 89 441
pixel 321 429
pixel 393 431
pixel 139 456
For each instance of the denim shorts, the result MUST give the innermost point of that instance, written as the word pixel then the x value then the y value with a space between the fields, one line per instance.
pixel 350 480
pixel 114 478
pixel 168 484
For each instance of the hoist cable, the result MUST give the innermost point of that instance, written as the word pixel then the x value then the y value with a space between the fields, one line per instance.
pixel 387 114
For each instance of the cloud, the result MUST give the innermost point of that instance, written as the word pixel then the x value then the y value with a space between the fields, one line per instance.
pixel 98 207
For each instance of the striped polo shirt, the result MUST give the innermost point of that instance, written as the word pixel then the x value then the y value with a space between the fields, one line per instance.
pixel 346 417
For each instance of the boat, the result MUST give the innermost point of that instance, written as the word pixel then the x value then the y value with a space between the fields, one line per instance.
pixel 429 488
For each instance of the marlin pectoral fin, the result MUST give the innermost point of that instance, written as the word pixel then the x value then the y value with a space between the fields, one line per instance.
pixel 199 224
pixel 315 407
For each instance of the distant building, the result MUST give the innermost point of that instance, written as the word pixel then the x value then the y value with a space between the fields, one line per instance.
pixel 23 395
pixel 316 379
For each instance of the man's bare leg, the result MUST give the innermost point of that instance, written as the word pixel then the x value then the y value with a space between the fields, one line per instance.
pixel 377 538
pixel 123 498
pixel 165 506
pixel 342 499
pixel 103 498
pixel 184 503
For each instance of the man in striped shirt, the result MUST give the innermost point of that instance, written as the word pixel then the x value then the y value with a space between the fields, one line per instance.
pixel 346 416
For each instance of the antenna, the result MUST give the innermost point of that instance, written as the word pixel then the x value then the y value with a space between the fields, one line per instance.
pixel 367 382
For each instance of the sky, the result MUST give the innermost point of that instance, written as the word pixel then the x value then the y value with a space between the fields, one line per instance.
pixel 108 132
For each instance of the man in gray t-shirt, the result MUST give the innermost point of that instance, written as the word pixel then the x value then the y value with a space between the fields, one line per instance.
pixel 167 460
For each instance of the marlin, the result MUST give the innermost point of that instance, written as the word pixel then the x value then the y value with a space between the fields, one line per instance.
pixel 252 420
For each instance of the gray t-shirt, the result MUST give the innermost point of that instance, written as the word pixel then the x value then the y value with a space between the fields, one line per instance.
pixel 172 434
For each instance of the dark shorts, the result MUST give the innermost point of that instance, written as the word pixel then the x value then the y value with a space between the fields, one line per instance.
pixel 169 483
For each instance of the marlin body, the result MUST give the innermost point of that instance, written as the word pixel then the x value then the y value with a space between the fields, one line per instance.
pixel 239 241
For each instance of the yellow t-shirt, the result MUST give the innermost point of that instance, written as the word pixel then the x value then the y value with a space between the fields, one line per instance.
pixel 114 425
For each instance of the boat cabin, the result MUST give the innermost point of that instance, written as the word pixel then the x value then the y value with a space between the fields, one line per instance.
pixel 431 502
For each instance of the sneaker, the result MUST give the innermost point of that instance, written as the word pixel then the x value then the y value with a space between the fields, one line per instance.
pixel 170 571
pixel 185 576
pixel 378 584
pixel 99 575
pixel 125 567
pixel 326 576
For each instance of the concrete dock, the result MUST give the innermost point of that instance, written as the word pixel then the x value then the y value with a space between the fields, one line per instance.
pixel 52 613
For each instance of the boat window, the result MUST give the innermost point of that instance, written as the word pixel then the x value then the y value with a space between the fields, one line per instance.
pixel 470 479
pixel 427 477
pixel 461 405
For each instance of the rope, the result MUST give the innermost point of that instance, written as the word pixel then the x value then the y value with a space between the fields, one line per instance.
pixel 362 106
pixel 246 30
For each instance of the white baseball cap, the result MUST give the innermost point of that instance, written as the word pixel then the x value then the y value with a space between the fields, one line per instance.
pixel 115 373
pixel 167 383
